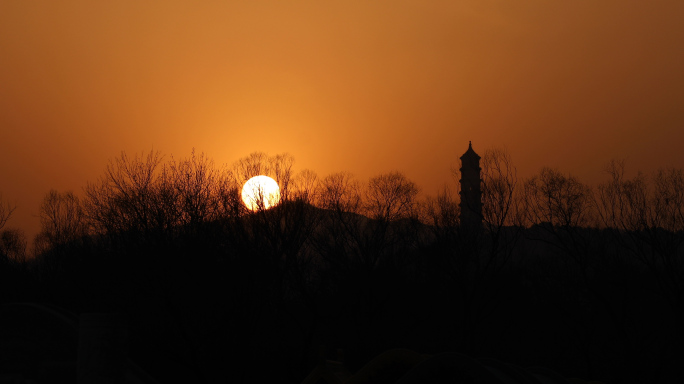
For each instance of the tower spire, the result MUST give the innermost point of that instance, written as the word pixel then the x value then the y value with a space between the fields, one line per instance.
pixel 471 191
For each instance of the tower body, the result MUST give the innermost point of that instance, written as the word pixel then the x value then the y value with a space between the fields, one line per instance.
pixel 471 190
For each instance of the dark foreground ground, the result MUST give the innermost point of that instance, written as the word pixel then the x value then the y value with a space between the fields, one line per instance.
pixel 207 308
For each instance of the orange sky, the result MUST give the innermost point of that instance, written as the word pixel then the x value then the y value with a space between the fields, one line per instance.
pixel 360 86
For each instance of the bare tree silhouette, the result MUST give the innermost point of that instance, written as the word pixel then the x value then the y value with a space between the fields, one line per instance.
pixel 281 167
pixel 559 207
pixel 390 197
pixel 367 238
pixel 648 221
pixel 62 220
pixel 199 190
pixel 13 245
pixel 337 239
pixel 340 192
pixel 395 231
pixel 441 211
pixel 306 187
pixel 501 205
pixel 124 198
pixel 12 241
pixel 6 210
pixel 501 208
pixel 556 199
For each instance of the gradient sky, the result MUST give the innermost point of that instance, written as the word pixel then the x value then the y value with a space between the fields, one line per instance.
pixel 360 86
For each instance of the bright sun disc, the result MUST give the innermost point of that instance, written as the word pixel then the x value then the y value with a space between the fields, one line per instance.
pixel 260 192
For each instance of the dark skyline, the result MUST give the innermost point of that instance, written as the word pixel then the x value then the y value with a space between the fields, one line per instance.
pixel 536 274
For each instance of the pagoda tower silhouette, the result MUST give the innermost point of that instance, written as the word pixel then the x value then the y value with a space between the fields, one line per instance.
pixel 471 190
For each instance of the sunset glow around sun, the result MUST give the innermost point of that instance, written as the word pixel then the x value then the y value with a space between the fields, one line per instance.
pixel 260 192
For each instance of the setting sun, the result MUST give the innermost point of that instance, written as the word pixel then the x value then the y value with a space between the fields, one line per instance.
pixel 260 192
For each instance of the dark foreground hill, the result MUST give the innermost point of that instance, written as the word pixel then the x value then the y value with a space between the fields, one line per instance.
pixel 256 298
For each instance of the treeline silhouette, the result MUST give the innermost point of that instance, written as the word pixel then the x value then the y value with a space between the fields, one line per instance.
pixel 586 281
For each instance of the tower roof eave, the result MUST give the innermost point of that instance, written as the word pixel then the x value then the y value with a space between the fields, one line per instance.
pixel 470 153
